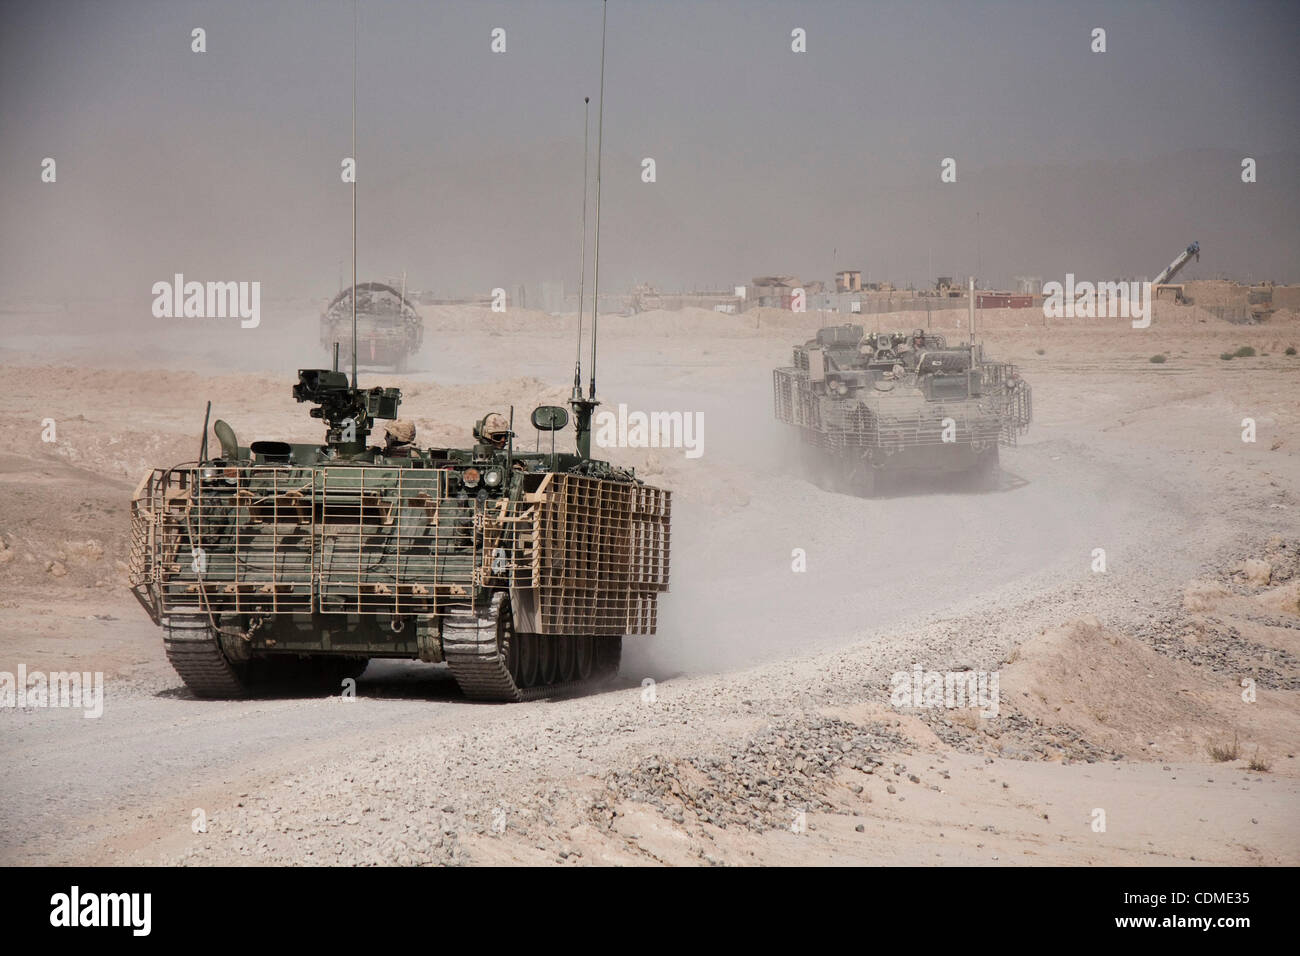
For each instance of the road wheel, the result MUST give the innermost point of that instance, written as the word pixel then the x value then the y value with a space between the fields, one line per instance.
pixel 523 666
pixel 987 472
pixel 609 654
pixel 565 657
pixel 586 656
pixel 546 658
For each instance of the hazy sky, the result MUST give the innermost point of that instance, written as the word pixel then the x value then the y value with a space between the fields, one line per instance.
pixel 225 164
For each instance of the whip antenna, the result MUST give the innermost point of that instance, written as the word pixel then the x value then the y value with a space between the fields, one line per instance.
pixel 600 144
pixel 354 193
pixel 582 273
pixel 203 446
pixel 583 408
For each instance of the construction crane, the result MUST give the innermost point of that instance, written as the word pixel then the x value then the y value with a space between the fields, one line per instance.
pixel 1162 281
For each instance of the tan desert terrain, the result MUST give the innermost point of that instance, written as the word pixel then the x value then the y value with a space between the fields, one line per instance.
pixel 766 734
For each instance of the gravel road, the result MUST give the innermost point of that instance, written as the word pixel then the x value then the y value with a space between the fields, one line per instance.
pixel 766 732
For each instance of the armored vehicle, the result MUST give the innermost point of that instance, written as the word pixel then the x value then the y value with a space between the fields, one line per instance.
pixel 521 570
pixel 869 404
pixel 389 330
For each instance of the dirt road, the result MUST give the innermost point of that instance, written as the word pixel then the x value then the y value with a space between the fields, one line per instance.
pixel 758 726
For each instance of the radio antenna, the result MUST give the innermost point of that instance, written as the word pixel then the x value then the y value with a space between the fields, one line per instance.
pixel 600 145
pixel 583 408
pixel 354 193
pixel 203 446
pixel 582 273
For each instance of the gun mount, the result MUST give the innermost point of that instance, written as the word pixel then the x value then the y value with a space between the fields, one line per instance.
pixel 347 412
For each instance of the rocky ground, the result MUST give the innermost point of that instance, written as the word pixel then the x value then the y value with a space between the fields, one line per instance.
pixel 1147 713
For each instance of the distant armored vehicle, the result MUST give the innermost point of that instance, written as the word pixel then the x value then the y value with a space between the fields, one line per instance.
pixel 521 570
pixel 389 330
pixel 867 405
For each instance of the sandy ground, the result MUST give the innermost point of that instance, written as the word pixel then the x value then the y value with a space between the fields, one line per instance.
pixel 767 733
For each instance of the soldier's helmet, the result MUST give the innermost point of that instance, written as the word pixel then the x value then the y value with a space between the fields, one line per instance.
pixel 493 429
pixel 400 431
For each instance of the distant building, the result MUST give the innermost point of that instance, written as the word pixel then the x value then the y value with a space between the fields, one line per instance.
pixel 1002 300
pixel 645 298
pixel 775 292
pixel 849 280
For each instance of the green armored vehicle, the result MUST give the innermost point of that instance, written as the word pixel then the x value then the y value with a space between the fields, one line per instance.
pixel 389 329
pixel 521 570
pixel 866 405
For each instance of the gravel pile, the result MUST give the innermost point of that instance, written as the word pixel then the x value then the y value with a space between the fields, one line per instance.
pixel 759 783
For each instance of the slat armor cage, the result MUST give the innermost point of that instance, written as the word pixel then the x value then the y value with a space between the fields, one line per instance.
pixel 583 555
pixel 590 556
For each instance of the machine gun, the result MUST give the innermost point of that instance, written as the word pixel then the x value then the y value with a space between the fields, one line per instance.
pixel 348 412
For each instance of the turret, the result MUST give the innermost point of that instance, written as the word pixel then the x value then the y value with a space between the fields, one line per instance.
pixel 347 412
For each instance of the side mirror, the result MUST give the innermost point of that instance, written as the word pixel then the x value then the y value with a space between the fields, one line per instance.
pixel 549 418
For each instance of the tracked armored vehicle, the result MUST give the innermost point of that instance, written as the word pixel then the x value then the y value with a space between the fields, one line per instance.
pixel 522 571
pixel 389 329
pixel 868 405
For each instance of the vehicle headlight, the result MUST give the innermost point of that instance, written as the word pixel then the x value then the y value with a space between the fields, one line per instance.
pixel 492 478
pixel 470 477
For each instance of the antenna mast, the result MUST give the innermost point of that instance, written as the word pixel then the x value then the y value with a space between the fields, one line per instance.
pixel 584 407
pixel 582 273
pixel 600 145
pixel 354 193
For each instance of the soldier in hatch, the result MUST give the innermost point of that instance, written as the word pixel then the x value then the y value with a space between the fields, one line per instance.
pixel 399 440
pixel 492 432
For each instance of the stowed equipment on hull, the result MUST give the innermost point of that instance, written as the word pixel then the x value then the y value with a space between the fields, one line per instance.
pixel 521 570
pixel 898 402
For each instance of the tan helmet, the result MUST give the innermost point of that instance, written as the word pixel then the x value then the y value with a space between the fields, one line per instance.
pixel 493 428
pixel 400 431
